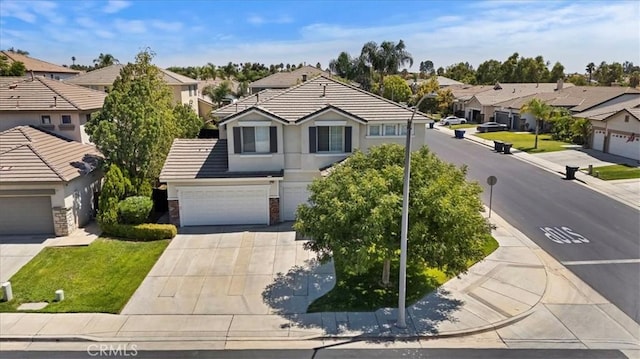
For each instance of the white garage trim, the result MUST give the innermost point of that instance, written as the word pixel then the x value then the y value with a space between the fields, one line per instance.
pixel 598 139
pixel 223 205
pixel 293 194
pixel 625 145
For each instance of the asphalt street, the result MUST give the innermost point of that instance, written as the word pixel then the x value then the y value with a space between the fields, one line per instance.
pixel 595 237
pixel 93 352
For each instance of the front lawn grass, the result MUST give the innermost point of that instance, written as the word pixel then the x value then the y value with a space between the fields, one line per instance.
pixel 463 126
pixel 362 292
pixel 525 141
pixel 617 172
pixel 100 277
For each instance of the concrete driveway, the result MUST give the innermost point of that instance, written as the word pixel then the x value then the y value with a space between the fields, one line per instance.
pixel 16 251
pixel 233 270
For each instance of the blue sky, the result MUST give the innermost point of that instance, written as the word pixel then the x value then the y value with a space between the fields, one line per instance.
pixel 186 33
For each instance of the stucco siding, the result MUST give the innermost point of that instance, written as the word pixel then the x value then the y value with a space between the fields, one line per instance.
pixel 79 196
pixel 75 132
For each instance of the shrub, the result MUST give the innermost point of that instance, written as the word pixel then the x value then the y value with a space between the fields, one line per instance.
pixel 115 187
pixel 134 210
pixel 142 232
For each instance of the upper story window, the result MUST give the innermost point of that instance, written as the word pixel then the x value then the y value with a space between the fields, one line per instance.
pixel 255 139
pixel 330 139
pixel 45 119
pixel 66 119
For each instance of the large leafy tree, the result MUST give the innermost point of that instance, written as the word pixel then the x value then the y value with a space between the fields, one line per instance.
pixel 105 60
pixel 354 214
pixel 489 72
pixel 540 111
pixel 15 68
pixel 429 88
pixel 395 88
pixel 444 99
pixel 139 121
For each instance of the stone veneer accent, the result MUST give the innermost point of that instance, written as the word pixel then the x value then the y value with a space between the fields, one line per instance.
pixel 63 221
pixel 174 212
pixel 274 210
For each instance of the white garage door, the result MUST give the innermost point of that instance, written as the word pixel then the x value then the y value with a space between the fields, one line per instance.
pixel 26 215
pixel 293 194
pixel 625 146
pixel 221 205
pixel 598 140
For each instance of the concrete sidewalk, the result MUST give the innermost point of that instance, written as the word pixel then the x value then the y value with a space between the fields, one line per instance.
pixel 517 297
pixel 626 191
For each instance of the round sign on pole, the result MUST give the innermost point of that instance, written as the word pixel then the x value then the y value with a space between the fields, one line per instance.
pixel 491 180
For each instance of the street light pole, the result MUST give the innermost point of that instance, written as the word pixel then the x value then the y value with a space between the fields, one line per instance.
pixel 402 291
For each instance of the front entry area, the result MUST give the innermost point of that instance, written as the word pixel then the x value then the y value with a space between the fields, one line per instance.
pixel 223 205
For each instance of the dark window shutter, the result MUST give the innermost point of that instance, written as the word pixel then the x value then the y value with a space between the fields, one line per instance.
pixel 347 139
pixel 312 140
pixel 237 141
pixel 273 139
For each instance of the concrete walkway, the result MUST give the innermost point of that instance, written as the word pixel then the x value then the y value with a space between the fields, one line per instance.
pixel 517 297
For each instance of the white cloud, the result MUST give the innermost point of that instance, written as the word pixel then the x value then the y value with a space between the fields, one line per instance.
pixel 113 6
pixel 130 26
pixel 17 10
pixel 255 19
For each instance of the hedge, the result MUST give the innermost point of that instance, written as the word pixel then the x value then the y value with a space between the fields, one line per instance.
pixel 134 210
pixel 142 232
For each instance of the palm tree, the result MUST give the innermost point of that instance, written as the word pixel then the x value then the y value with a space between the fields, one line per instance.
pixel 105 60
pixel 217 93
pixel 73 60
pixel 590 68
pixel 540 111
pixel 387 58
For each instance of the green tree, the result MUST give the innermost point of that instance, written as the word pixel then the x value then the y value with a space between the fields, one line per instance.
pixel 430 88
pixel 577 79
pixel 18 51
pixel 634 79
pixel 353 214
pixel 461 71
pixel 217 93
pixel 591 67
pixel 395 88
pixel 540 111
pixel 15 68
pixel 426 68
pixel 137 124
pixel 105 60
pixel 582 129
pixel 387 58
pixel 557 72
pixel 115 188
pixel 489 72
pixel 187 121
pixel 444 100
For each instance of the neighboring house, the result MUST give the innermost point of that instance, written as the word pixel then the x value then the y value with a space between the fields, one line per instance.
pixel 270 150
pixel 616 128
pixel 39 67
pixel 244 103
pixel 482 105
pixel 47 184
pixel 286 79
pixel 575 99
pixel 55 106
pixel 183 89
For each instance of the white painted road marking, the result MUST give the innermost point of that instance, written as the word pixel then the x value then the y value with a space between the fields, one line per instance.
pixel 611 261
pixel 563 235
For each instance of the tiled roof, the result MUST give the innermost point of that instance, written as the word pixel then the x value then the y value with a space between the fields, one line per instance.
pixel 36 65
pixel 503 92
pixel 39 93
pixel 299 101
pixel 604 112
pixel 288 78
pixel 107 75
pixel 576 98
pixel 202 158
pixel 245 102
pixel 442 81
pixel 28 154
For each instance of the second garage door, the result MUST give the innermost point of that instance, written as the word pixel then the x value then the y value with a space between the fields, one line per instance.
pixel 293 194
pixel 26 215
pixel 222 205
pixel 625 146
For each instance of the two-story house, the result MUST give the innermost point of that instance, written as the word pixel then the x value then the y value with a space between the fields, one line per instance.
pixel 53 105
pixel 183 89
pixel 40 68
pixel 268 152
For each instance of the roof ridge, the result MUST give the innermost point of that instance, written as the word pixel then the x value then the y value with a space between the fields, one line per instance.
pixel 44 82
pixel 6 53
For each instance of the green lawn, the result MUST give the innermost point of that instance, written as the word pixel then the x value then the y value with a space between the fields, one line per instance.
pixel 616 172
pixel 100 277
pixel 363 292
pixel 464 125
pixel 525 141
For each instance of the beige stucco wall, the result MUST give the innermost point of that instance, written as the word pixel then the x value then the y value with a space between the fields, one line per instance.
pixel 255 162
pixel 417 138
pixel 10 119
pixel 616 123
pixel 181 95
pixel 79 196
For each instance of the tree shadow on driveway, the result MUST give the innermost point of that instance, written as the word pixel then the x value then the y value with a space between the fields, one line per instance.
pixel 291 293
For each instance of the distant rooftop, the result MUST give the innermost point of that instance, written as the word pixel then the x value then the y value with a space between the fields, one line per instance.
pixel 287 79
pixel 106 76
pixel 36 65
pixel 43 94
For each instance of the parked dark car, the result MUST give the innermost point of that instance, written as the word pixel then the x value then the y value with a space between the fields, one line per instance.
pixel 492 127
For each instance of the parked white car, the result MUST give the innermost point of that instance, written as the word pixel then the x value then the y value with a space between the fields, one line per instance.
pixel 452 120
